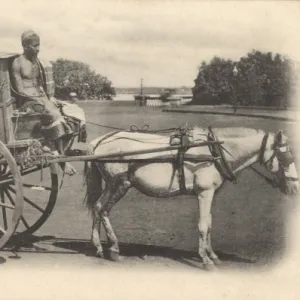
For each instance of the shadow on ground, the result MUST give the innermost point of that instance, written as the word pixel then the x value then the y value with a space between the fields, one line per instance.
pixel 50 244
pixel 2 260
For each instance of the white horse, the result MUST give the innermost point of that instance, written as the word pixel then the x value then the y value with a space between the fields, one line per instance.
pixel 199 175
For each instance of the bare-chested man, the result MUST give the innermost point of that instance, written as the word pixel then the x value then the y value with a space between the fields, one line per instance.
pixel 26 72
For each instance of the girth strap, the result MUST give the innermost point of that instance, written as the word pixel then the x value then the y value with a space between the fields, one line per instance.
pixel 182 133
pixel 180 167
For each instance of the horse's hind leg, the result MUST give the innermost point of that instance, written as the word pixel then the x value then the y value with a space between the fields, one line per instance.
pixel 118 190
pixel 96 229
pixel 96 239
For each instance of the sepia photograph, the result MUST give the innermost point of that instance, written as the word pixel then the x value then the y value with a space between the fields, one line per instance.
pixel 149 149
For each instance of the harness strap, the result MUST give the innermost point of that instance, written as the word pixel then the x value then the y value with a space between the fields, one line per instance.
pixel 218 158
pixel 221 163
pixel 183 135
pixel 180 166
pixel 104 138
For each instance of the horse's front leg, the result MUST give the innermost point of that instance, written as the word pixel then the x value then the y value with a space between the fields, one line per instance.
pixel 213 256
pixel 119 189
pixel 205 198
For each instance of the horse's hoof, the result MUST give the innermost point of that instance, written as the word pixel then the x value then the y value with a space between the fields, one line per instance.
pixel 114 256
pixel 209 267
pixel 99 254
pixel 217 261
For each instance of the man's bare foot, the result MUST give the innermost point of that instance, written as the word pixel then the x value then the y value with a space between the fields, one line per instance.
pixel 69 169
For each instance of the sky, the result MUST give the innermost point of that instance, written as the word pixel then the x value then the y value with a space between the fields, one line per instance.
pixel 163 42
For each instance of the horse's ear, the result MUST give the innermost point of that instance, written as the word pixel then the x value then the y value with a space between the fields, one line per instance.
pixel 279 137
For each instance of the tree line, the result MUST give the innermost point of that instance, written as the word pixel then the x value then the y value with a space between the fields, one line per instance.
pixel 256 79
pixel 74 76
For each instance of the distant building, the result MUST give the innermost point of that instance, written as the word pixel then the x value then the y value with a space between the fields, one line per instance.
pixel 159 96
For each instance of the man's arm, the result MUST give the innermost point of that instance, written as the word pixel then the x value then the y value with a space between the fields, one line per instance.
pixel 16 75
pixel 17 79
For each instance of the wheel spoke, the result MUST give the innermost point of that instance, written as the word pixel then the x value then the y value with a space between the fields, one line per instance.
pixel 41 195
pixel 34 205
pixel 25 222
pixel 10 197
pixel 6 180
pixel 28 201
pixel 13 202
pixel 4 210
pixel 6 205
pixel 29 171
pixel 3 169
pixel 37 187
pixel 2 230
pixel 9 178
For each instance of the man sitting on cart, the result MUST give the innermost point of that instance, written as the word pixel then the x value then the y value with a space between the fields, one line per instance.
pixel 57 127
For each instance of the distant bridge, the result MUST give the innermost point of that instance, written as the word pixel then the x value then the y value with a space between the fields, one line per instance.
pixel 156 101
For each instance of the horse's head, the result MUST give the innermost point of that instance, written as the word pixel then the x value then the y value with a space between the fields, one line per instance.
pixel 277 158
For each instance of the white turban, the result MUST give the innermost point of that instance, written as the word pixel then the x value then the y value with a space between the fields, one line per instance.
pixel 28 37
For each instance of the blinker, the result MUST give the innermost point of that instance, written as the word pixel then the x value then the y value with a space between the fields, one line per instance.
pixel 285 158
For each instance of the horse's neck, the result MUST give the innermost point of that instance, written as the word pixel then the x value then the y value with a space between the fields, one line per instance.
pixel 243 151
pixel 242 145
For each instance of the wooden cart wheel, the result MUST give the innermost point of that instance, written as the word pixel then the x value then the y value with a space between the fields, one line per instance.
pixel 40 189
pixel 12 207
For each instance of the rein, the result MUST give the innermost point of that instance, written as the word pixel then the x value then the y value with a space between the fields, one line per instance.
pixel 134 128
pixel 266 178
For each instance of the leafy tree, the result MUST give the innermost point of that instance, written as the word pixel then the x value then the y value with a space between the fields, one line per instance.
pixel 263 79
pixel 75 76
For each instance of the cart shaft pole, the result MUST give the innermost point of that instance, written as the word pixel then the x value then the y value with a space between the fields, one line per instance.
pixel 120 156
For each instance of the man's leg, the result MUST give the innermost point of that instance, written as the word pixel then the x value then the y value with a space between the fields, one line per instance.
pixel 59 132
pixel 66 167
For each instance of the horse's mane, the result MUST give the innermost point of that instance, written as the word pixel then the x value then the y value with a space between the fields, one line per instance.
pixel 230 132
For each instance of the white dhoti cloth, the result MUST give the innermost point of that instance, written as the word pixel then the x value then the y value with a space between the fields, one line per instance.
pixel 71 116
pixel 74 111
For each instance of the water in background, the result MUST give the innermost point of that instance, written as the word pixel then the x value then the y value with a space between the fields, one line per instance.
pixel 124 97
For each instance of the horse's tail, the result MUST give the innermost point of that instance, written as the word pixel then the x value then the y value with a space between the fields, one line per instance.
pixel 93 181
pixel 92 174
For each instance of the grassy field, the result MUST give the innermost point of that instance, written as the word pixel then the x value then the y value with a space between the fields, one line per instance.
pixel 248 218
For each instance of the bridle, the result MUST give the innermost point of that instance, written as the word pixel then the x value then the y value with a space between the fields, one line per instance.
pixel 263 149
pixel 281 151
